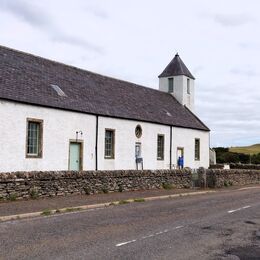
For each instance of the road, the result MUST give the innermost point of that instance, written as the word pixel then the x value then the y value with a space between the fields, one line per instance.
pixel 222 225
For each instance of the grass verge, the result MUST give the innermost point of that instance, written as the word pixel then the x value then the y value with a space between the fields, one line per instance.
pixel 139 200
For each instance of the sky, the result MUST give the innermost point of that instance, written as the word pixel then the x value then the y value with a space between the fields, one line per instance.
pixel 134 40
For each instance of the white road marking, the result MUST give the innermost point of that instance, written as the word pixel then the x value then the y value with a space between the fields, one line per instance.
pixel 125 243
pixel 179 227
pixel 234 210
pixel 148 236
pixel 249 188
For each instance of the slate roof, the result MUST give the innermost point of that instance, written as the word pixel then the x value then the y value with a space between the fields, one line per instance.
pixel 27 78
pixel 175 68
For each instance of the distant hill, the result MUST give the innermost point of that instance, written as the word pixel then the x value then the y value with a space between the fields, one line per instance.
pixel 252 149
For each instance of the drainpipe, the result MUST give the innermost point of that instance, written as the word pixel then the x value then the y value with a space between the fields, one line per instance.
pixel 96 145
pixel 171 148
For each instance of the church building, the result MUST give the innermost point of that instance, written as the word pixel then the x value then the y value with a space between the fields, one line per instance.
pixel 59 117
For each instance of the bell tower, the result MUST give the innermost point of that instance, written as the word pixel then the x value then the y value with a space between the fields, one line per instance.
pixel 177 80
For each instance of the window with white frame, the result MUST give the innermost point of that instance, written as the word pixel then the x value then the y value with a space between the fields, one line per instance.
pixel 197 149
pixel 109 144
pixel 160 147
pixel 34 138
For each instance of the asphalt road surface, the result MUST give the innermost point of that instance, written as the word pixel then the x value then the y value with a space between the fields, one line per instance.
pixel 223 225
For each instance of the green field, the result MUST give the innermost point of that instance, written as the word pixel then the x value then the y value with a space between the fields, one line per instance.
pixel 252 149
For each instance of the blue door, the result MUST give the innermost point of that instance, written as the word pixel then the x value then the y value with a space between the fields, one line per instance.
pixel 75 160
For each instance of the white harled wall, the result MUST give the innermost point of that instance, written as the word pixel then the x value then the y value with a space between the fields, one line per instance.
pixel 125 140
pixel 180 90
pixel 185 138
pixel 59 127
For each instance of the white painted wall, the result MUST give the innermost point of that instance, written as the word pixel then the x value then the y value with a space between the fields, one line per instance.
pixel 60 126
pixel 125 140
pixel 185 138
pixel 180 90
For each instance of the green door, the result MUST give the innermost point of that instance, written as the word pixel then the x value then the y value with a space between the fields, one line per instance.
pixel 75 161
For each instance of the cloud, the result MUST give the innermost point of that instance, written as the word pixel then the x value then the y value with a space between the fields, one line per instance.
pixel 97 12
pixel 29 13
pixel 244 72
pixel 231 112
pixel 250 46
pixel 232 20
pixel 72 40
pixel 35 17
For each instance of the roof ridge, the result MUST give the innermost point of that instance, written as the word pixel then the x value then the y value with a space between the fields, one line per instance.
pixel 81 69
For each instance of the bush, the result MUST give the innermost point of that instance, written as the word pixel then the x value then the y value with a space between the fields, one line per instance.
pixel 12 197
pixel 87 190
pixel 226 183
pixel 167 186
pixel 120 188
pixel 105 190
pixel 34 194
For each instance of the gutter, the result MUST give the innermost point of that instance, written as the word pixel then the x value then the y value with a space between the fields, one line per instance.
pixel 96 145
pixel 170 147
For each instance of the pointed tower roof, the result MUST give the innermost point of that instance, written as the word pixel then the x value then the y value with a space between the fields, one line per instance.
pixel 175 68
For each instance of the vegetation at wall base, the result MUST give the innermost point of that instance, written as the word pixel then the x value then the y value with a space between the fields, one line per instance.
pixel 105 190
pixel 34 194
pixel 167 186
pixel 12 197
pixel 87 190
pixel 120 188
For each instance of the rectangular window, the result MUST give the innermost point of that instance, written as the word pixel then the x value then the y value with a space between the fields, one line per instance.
pixel 197 149
pixel 188 86
pixel 170 85
pixel 34 138
pixel 109 144
pixel 160 147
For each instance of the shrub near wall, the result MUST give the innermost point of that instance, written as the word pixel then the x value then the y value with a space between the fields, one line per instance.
pixel 216 166
pixel 245 166
pixel 22 185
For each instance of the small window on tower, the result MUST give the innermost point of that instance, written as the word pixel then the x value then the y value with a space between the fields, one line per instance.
pixel 170 85
pixel 188 86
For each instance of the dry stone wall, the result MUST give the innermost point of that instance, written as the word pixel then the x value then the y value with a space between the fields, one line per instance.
pixel 22 185
pixel 216 178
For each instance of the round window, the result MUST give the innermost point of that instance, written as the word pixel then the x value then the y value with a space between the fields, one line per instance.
pixel 138 131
